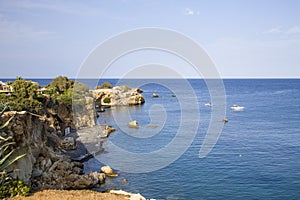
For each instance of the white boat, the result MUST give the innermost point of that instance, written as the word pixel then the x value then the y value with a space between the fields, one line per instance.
pixel 237 108
pixel 208 104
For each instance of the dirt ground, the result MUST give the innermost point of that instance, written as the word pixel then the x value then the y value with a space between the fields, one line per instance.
pixel 70 195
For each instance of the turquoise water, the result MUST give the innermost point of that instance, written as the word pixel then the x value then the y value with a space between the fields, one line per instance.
pixel 256 157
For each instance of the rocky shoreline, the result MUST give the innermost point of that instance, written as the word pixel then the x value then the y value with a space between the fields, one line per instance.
pixel 54 152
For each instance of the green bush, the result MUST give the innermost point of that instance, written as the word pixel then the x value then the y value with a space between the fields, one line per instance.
pixel 10 187
pixel 104 85
pixel 24 96
pixel 106 100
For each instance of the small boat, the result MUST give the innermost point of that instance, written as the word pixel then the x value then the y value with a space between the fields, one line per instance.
pixel 208 104
pixel 237 108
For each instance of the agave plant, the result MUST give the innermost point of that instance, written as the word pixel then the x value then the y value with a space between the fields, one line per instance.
pixel 6 158
pixel 9 187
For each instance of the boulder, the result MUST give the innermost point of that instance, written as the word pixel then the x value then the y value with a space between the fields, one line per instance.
pixel 154 95
pixel 106 131
pixel 133 124
pixel 83 182
pixel 68 143
pixel 98 177
pixel 107 170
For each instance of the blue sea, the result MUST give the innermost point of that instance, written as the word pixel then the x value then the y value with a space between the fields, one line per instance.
pixel 257 155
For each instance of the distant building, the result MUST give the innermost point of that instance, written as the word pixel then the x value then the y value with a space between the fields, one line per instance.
pixel 42 90
pixel 4 88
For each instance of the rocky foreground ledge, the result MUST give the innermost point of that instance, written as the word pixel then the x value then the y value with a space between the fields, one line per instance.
pixel 81 195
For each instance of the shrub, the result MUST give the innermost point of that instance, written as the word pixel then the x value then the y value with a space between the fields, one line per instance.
pixel 61 84
pixel 10 187
pixel 106 100
pixel 104 85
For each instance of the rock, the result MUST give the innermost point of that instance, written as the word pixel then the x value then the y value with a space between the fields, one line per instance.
pixel 98 177
pixel 154 95
pixel 68 143
pixel 133 124
pixel 107 170
pixel 83 182
pixel 77 170
pixel 105 131
pixel 101 177
pixel 109 130
pixel 72 177
pixel 84 114
pixel 37 172
pixel 62 165
pixel 118 96
pixel 130 195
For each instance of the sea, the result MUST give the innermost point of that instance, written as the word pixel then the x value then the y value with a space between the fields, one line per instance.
pixel 255 155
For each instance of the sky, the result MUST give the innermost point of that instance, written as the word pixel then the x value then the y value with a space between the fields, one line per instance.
pixel 244 39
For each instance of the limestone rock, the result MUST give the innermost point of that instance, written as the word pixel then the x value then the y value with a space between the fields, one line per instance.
pixel 118 96
pixel 133 124
pixel 105 131
pixel 154 95
pixel 107 170
pixel 84 112
pixel 130 195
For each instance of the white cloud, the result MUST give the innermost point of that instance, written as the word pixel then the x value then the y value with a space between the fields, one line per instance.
pixel 273 30
pixel 189 11
pixel 293 30
pixel 279 30
pixel 15 32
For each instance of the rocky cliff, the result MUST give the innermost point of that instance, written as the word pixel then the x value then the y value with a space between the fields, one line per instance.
pixel 40 137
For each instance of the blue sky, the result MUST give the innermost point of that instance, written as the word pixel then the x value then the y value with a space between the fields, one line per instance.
pixel 259 38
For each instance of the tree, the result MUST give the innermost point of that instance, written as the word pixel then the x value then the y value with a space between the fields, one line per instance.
pixel 61 84
pixel 24 96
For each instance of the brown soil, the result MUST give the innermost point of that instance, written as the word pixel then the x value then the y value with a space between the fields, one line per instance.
pixel 70 195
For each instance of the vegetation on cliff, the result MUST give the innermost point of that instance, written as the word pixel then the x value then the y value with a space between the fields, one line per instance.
pixel 48 114
pixel 28 96
pixel 104 85
pixel 23 97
